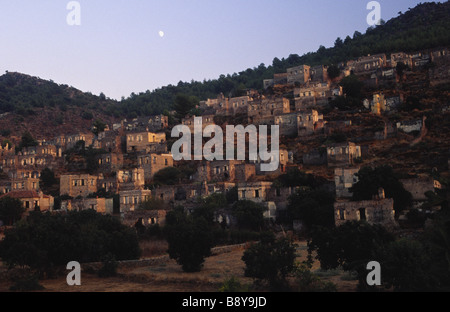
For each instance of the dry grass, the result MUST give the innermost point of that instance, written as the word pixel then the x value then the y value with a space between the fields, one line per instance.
pixel 169 277
pixel 153 248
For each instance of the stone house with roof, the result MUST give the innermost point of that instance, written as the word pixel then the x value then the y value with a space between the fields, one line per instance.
pixel 299 74
pixel 75 185
pixel 344 179
pixel 263 111
pixel 32 200
pixel 287 124
pixel 152 163
pixel 140 141
pixel 343 154
pixel 309 122
pixel 130 199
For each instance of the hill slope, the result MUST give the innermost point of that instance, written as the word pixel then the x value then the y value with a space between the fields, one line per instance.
pixel 45 108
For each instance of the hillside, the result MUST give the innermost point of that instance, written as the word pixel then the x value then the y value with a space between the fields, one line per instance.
pixel 424 27
pixel 45 108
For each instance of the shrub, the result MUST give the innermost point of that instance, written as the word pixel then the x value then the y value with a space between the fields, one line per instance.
pixel 109 268
pixel 28 284
pixel 233 285
pixel 270 260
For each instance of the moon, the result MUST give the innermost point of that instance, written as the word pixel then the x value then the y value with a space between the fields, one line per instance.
pixel 161 33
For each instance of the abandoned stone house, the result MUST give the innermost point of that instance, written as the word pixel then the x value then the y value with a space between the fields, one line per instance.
pixel 259 192
pixel 344 179
pixel 164 193
pixel 26 184
pixel 193 123
pixel 299 74
pixel 440 73
pixel 309 122
pixel 388 73
pixel 280 196
pixel 217 171
pixel 130 199
pixel 150 123
pixel 263 111
pixel 400 57
pixel 378 104
pixel 110 141
pixel 319 73
pixel 238 105
pixel 312 95
pixel 32 200
pixel 140 141
pixel 244 172
pixel 343 154
pixel 5 186
pixel 285 158
pixel 220 102
pixel 280 79
pixel 35 159
pixel 254 191
pixel 78 185
pixel 132 179
pixel 6 150
pixel 409 126
pixel 369 64
pixel 377 211
pixel 287 124
pixel 100 205
pixel 152 163
pixel 144 217
pixel 108 183
pixel 110 162
pixel 420 59
pixel 267 83
pixel 66 142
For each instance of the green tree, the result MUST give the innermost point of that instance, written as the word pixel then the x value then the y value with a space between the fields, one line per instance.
pixel 372 179
pixel 406 266
pixel 270 260
pixel 184 104
pixel 27 140
pixel 333 72
pixel 248 214
pixel 312 207
pixel 153 204
pixel 44 241
pixel 167 176
pixel 98 126
pixel 351 245
pixel 190 239
pixel 11 210
pixel 352 86
pixel 207 207
pixel 47 178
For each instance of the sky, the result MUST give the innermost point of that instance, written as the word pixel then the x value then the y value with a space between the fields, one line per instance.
pixel 118 47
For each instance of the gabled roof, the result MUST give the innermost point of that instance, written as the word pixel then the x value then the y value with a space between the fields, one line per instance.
pixel 19 194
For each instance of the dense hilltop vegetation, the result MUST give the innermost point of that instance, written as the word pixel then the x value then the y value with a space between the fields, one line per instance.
pixel 423 27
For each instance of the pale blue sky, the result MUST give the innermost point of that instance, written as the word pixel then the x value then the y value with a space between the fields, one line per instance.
pixel 117 49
